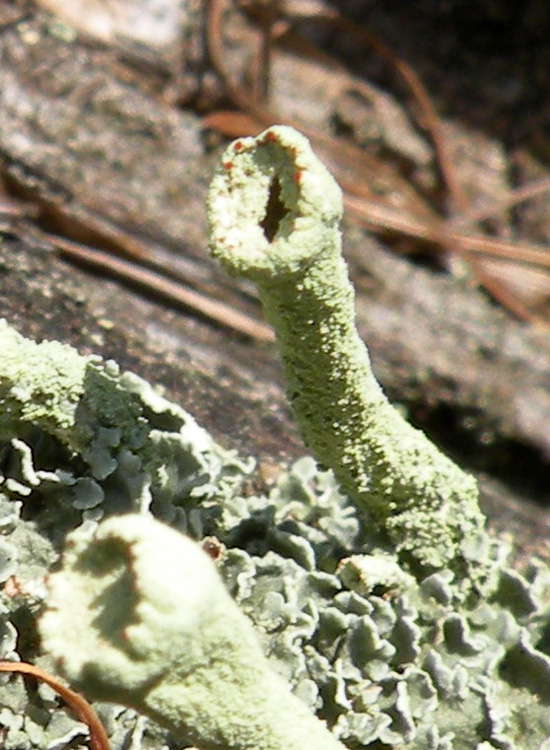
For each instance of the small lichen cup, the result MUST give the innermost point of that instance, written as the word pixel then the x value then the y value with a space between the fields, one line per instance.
pixel 138 615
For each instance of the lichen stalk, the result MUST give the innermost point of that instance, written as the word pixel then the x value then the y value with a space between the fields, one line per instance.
pixel 274 213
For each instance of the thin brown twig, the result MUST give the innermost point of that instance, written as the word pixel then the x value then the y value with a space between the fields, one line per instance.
pixel 127 257
pixel 80 706
pixel 511 302
pixel 379 216
pixel 514 198
pixel 163 287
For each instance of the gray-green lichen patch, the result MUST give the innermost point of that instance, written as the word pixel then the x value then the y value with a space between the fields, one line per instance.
pixel 134 448
pixel 384 657
pixel 387 657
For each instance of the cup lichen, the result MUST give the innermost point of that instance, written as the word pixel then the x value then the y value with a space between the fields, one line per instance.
pixel 175 647
pixel 274 213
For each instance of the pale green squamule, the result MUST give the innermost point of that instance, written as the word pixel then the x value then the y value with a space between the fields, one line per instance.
pixel 274 213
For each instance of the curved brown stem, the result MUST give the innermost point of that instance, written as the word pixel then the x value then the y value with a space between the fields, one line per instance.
pixel 75 701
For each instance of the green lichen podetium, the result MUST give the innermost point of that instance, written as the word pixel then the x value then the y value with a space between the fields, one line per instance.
pixel 274 213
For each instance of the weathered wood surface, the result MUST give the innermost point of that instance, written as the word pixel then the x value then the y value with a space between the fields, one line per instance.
pixel 97 145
